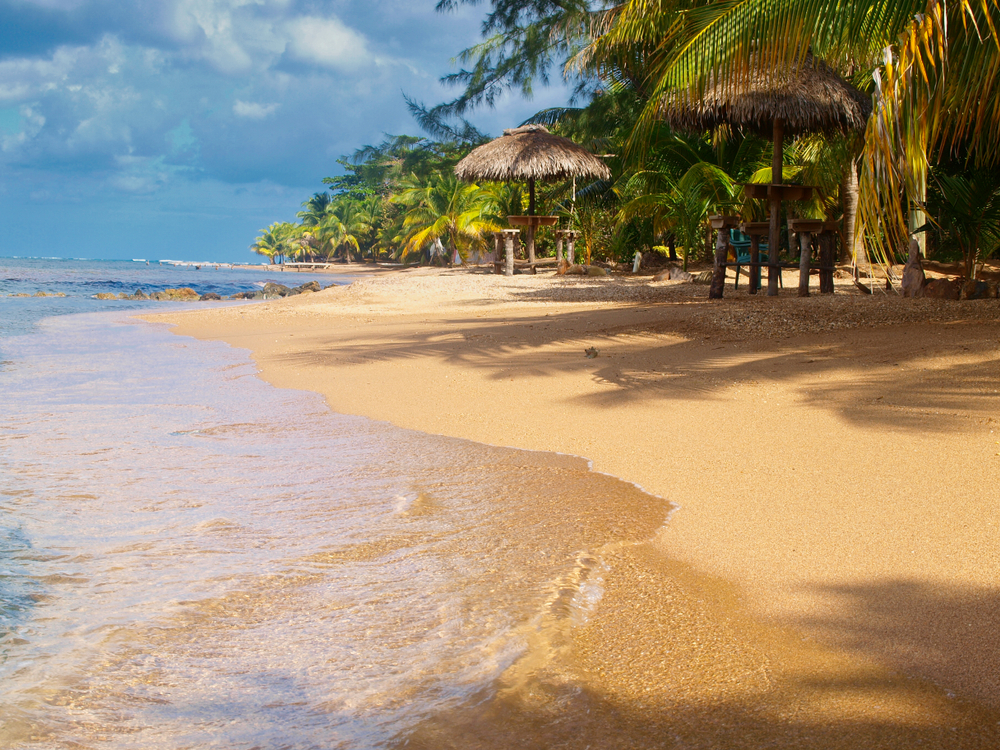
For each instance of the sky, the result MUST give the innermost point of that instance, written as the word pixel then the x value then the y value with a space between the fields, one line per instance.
pixel 176 129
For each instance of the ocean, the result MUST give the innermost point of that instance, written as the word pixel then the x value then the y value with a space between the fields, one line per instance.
pixel 190 557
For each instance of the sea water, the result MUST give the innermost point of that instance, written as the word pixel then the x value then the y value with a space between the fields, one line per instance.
pixel 81 280
pixel 190 557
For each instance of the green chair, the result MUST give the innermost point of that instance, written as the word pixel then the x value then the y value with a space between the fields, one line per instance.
pixel 741 247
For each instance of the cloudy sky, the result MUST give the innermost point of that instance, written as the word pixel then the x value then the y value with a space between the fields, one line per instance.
pixel 178 128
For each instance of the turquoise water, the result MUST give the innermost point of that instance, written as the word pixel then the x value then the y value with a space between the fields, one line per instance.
pixel 80 280
pixel 190 557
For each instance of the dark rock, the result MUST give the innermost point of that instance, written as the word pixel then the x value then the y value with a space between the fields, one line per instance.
pixel 942 289
pixel 139 294
pixel 312 286
pixel 182 293
pixel 652 260
pixel 975 290
pixel 272 290
pixel 210 297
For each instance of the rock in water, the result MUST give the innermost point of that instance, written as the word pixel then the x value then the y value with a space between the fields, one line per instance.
pixel 139 294
pixel 104 295
pixel 182 293
pixel 272 290
pixel 913 273
pixel 312 286
pixel 210 297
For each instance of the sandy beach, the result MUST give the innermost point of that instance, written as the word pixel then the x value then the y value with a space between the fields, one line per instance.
pixel 828 576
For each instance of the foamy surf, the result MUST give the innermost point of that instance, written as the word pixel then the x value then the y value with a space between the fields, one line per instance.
pixel 205 560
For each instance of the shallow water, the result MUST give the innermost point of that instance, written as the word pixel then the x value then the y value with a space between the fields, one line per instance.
pixel 80 280
pixel 190 557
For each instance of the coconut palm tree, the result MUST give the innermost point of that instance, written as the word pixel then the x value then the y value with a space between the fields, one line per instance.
pixel 314 209
pixel 929 60
pixel 965 204
pixel 277 241
pixel 448 212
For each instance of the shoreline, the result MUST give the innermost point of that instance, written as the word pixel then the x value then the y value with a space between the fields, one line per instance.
pixel 796 577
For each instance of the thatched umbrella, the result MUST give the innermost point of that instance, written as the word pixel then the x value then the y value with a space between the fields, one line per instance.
pixel 806 98
pixel 527 154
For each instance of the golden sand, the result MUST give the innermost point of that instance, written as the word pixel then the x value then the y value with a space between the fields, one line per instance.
pixel 830 575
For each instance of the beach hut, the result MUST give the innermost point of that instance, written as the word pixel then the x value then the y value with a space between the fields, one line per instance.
pixel 805 98
pixel 527 154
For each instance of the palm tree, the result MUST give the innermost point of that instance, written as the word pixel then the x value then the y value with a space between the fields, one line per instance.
pixel 929 59
pixel 965 205
pixel 277 241
pixel 353 224
pixel 445 211
pixel 681 207
pixel 314 209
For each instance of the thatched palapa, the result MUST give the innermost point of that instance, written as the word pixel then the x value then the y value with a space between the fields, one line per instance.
pixel 529 153
pixel 807 98
pixel 804 98
pixel 526 154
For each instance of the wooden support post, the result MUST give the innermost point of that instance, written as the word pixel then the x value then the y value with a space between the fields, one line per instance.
pixel 715 291
pixel 826 242
pixel 805 248
pixel 773 242
pixel 571 236
pixel 754 263
pixel 508 236
pixel 559 245
pixel 531 242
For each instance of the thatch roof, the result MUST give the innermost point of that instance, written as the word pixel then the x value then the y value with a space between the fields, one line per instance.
pixel 530 152
pixel 809 97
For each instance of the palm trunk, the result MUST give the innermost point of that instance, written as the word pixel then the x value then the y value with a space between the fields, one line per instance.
pixel 851 248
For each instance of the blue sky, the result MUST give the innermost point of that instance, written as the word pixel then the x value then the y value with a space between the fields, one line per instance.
pixel 178 128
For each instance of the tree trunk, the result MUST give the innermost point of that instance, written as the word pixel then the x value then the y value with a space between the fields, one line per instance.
pixel 718 286
pixel 849 200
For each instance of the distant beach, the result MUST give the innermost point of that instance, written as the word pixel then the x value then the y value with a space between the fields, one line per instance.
pixel 828 577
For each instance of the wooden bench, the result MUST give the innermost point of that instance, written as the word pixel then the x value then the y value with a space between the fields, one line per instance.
pixel 527 264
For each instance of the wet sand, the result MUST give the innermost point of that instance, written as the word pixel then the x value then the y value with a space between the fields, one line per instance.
pixel 829 577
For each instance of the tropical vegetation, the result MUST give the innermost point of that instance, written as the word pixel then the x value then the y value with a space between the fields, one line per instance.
pixel 925 165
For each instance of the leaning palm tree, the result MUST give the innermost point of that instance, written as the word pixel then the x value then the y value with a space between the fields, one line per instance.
pixel 929 60
pixel 445 211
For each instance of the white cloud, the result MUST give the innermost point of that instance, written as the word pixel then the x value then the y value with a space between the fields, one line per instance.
pixel 327 42
pixel 253 110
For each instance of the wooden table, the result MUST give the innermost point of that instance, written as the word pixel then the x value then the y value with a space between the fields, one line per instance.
pixel 532 223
